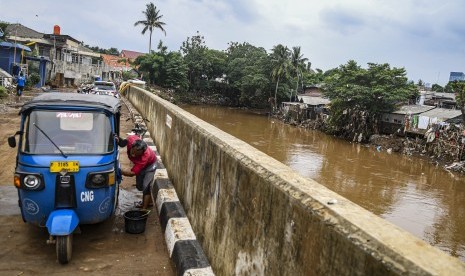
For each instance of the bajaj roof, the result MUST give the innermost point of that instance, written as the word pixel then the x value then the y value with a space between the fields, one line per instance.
pixel 59 99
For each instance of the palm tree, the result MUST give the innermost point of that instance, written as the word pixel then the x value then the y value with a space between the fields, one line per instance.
pixel 280 58
pixel 151 22
pixel 298 65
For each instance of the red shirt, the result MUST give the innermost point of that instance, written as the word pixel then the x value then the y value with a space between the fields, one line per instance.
pixel 140 162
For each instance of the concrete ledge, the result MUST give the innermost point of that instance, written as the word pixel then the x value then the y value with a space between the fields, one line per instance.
pixel 183 247
pixel 188 255
pixel 185 251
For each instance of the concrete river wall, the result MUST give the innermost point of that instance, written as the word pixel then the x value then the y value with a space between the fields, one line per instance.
pixel 255 216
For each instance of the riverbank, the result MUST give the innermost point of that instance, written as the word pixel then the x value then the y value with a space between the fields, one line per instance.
pixel 443 147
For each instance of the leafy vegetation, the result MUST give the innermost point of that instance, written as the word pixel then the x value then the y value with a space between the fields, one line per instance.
pixel 458 87
pixel 32 79
pixel 359 96
pixel 111 51
pixel 3 26
pixel 3 92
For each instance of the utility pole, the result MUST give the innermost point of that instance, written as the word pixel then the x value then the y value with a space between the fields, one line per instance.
pixel 14 55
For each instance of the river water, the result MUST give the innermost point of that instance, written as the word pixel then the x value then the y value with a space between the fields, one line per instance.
pixel 411 193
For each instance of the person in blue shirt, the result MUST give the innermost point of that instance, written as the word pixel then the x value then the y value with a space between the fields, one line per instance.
pixel 20 85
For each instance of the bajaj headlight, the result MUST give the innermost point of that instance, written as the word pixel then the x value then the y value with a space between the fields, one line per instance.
pixel 29 181
pixel 100 179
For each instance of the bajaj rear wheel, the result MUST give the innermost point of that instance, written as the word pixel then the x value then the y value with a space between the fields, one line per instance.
pixel 64 247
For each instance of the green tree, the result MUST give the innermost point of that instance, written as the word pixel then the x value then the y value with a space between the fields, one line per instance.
pixel 436 87
pixel 359 96
pixel 248 74
pixel 176 71
pixel 163 68
pixel 280 58
pixel 151 21
pixel 458 87
pixel 149 65
pixel 449 87
pixel 420 83
pixel 113 51
pixel 194 52
pixel 127 75
pixel 313 77
pixel 298 66
pixel 3 26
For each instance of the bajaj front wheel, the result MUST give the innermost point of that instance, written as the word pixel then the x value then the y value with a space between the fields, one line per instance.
pixel 64 247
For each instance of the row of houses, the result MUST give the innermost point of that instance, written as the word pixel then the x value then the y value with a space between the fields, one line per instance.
pixel 61 59
pixel 432 109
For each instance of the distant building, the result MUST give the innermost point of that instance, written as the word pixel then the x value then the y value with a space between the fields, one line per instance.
pixel 116 66
pixel 457 76
pixel 71 62
pixel 130 55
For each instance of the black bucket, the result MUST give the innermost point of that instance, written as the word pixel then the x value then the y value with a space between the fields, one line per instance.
pixel 135 220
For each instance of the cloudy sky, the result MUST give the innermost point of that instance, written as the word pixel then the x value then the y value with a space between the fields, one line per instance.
pixel 426 37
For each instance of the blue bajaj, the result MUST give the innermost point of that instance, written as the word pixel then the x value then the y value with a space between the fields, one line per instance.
pixel 67 169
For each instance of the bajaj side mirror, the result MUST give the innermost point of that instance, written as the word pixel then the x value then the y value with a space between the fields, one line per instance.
pixel 12 141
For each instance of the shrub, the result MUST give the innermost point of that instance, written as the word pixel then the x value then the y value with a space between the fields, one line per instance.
pixel 32 79
pixel 3 92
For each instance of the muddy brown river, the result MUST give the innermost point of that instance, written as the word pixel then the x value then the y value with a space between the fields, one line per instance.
pixel 411 193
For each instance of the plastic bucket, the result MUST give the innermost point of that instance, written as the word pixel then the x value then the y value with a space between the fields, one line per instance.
pixel 135 220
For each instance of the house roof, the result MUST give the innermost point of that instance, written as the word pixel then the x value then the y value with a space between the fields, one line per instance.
pixel 114 61
pixel 444 95
pixel 442 114
pixel 131 54
pixel 61 37
pixel 412 109
pixel 6 44
pixel 311 100
pixel 5 74
pixel 19 30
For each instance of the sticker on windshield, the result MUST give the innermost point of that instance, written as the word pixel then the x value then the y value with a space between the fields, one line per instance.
pixel 75 120
pixel 68 115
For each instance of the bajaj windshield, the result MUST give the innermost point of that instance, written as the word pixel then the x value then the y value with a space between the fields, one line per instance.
pixel 73 132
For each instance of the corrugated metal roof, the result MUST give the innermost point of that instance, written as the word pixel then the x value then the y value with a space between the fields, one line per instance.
pixel 413 109
pixel 442 114
pixel 445 95
pixel 314 100
pixel 19 46
pixel 5 74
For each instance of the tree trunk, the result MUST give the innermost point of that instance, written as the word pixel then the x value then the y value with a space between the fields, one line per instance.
pixel 150 42
pixel 296 87
pixel 276 94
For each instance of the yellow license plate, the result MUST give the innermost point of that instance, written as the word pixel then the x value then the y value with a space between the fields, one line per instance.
pixel 69 166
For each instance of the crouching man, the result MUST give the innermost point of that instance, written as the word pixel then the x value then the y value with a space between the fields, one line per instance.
pixel 145 164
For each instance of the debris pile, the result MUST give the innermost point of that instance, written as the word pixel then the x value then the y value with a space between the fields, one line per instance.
pixel 445 142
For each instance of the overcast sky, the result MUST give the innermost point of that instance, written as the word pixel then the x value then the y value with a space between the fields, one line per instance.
pixel 426 37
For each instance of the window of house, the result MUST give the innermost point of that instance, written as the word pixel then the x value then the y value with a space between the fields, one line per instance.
pixel 74 58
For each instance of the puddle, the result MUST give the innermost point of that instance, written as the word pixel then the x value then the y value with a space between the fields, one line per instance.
pixel 126 203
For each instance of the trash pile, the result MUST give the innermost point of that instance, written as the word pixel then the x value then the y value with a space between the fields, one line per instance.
pixel 445 142
pixel 456 167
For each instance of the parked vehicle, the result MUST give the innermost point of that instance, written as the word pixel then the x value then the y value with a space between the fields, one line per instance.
pixel 85 88
pixel 105 88
pixel 67 166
